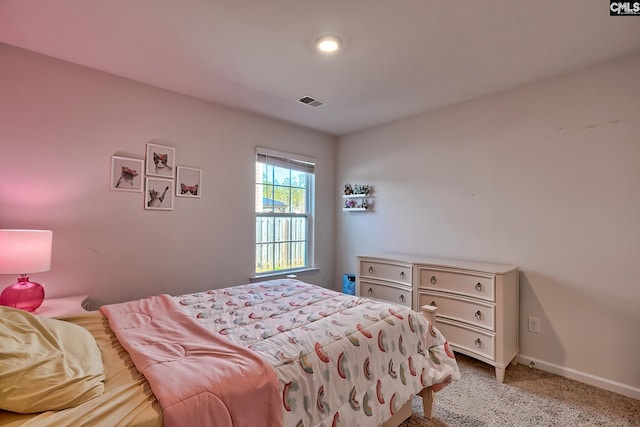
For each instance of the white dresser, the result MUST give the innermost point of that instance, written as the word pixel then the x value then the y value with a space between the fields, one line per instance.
pixel 477 302
pixel 385 279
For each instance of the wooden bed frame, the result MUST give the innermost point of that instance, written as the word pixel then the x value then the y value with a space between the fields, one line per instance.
pixel 428 395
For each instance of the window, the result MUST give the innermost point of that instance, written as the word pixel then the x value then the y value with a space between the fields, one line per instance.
pixel 284 211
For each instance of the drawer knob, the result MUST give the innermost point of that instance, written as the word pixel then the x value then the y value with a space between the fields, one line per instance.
pixel 478 343
pixel 370 291
pixel 402 298
pixel 478 315
pixel 478 286
pixel 370 269
pixel 402 275
pixel 433 280
pixel 433 304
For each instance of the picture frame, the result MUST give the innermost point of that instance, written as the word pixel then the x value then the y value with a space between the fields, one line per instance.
pixel 160 160
pixel 126 174
pixel 158 194
pixel 188 182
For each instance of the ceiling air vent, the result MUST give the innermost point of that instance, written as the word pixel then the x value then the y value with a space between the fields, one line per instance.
pixel 313 102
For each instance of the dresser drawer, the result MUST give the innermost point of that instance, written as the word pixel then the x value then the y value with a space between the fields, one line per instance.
pixel 384 292
pixel 460 282
pixel 468 339
pixel 465 310
pixel 386 271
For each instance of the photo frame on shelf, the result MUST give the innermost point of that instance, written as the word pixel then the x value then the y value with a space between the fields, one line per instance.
pixel 188 182
pixel 160 160
pixel 126 174
pixel 158 194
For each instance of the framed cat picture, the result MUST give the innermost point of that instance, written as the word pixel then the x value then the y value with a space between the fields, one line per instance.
pixel 126 174
pixel 158 194
pixel 161 160
pixel 188 182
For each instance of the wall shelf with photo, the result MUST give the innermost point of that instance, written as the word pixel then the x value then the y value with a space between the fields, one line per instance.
pixel 357 198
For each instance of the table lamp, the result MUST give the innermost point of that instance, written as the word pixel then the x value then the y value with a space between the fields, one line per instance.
pixel 23 252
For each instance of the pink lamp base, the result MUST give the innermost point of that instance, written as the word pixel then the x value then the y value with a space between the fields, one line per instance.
pixel 24 295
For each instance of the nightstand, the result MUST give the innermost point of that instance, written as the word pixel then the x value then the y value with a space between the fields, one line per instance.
pixel 66 306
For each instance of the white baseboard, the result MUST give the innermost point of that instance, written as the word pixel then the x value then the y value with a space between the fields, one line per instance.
pixel 603 383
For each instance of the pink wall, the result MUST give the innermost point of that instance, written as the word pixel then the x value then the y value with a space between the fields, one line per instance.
pixel 59 126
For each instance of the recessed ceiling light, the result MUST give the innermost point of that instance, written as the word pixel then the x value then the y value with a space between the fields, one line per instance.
pixel 328 44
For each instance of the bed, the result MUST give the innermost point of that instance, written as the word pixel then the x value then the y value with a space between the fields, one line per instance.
pixel 325 359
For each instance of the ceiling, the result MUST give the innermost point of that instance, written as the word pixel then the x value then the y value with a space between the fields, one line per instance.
pixel 400 57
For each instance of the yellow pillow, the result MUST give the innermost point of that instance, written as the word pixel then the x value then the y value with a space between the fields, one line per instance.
pixel 46 364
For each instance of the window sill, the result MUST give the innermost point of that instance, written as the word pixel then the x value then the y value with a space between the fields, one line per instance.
pixel 284 274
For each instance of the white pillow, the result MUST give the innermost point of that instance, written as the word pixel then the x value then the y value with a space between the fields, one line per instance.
pixel 46 364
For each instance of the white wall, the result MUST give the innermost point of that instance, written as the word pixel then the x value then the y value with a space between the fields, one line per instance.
pixel 546 177
pixel 59 126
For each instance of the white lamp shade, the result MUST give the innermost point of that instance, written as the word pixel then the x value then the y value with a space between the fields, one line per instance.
pixel 25 251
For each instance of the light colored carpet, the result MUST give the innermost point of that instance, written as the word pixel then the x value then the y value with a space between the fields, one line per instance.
pixel 528 397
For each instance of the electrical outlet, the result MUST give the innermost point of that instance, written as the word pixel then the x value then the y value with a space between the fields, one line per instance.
pixel 534 325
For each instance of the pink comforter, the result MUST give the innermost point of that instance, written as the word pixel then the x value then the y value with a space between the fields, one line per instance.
pixel 199 378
